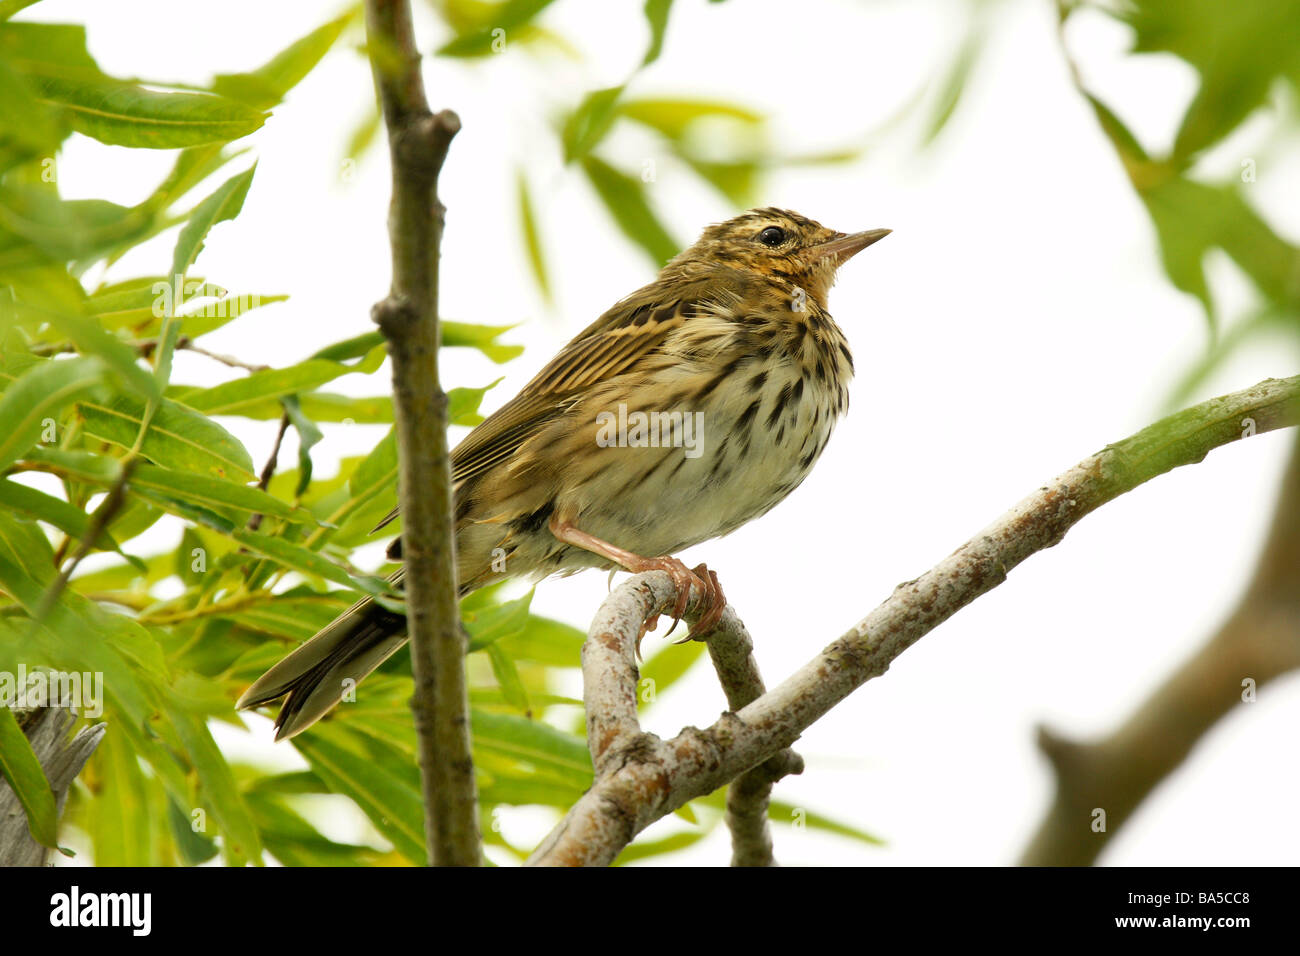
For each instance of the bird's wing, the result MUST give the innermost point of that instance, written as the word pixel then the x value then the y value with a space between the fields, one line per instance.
pixel 634 328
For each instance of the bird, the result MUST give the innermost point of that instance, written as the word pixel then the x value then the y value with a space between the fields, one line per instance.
pixel 691 407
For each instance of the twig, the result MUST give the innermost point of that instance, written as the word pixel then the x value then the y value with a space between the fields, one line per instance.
pixel 268 470
pixel 146 348
pixel 418 142
pixel 657 777
pixel 230 360
pixel 1259 642
pixel 99 521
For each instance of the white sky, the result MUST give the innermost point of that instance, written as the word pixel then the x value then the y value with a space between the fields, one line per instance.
pixel 1016 321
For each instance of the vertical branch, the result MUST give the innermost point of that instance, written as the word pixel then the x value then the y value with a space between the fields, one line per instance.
pixel 748 796
pixel 418 142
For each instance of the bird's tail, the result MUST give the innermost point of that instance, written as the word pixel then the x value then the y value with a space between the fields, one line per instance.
pixel 313 676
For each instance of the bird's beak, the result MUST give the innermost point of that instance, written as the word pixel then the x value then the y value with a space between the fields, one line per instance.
pixel 845 246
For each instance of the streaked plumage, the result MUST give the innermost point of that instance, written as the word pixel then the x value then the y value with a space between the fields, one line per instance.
pixel 734 328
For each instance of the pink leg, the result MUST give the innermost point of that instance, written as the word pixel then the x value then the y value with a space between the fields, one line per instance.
pixel 683 579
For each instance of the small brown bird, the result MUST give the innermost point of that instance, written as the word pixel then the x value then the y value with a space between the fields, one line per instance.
pixel 692 406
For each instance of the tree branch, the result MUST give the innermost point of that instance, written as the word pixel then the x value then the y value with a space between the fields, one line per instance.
pixel 609 678
pixel 732 651
pixel 418 142
pixel 1259 641
pixel 648 778
pixel 62 759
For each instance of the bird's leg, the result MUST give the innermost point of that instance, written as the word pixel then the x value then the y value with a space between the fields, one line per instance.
pixel 683 578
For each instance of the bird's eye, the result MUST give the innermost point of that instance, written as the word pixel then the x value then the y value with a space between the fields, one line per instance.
pixel 772 236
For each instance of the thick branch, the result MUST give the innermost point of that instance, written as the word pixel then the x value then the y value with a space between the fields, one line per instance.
pixel 610 675
pixel 659 779
pixel 418 142
pixel 1259 641
pixel 62 759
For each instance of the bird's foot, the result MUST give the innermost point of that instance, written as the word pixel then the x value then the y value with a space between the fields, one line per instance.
pixel 683 580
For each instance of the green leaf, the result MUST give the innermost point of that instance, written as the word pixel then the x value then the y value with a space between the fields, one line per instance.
pixel 308 436
pixel 299 558
pixel 481 337
pixel 453 334
pixel 788 813
pixel 512 686
pixel 626 200
pixel 670 664
pixel 736 181
pixel 178 438
pixel 1191 218
pixel 295 842
pixel 496 621
pixel 532 238
pixel 57 44
pixel 118 819
pixel 463 403
pixel 1237 49
pixel 533 742
pixel 589 122
pixel 297 617
pixel 222 205
pixel 643 849
pixel 231 398
pixel 192 166
pixel 28 123
pixel 216 493
pixel 507 16
pixel 123 652
pixel 673 116
pixel 355 347
pixel 525 790
pixel 372 490
pixel 268 84
pixel 9 7
pixel 954 84
pixel 83 230
pixel 656 14
pixel 139 304
pixel 39 394
pixel 23 771
pixel 78 465
pixel 329 407
pixel 547 642
pixel 193 846
pixel 91 339
pixel 56 512
pixel 124 114
pixel 1126 144
pixel 386 790
pixel 54 60
pixel 241 842
pixel 363 134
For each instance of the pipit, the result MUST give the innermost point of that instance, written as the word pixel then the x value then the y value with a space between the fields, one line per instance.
pixel 691 407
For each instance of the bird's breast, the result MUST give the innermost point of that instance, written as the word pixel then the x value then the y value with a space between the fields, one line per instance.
pixel 715 437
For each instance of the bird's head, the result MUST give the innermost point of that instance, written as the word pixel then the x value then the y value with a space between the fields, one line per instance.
pixel 779 244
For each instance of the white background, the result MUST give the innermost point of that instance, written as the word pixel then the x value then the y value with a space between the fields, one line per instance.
pixel 1016 321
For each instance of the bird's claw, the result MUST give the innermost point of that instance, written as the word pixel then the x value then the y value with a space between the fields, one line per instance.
pixel 715 601
pixel 683 580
